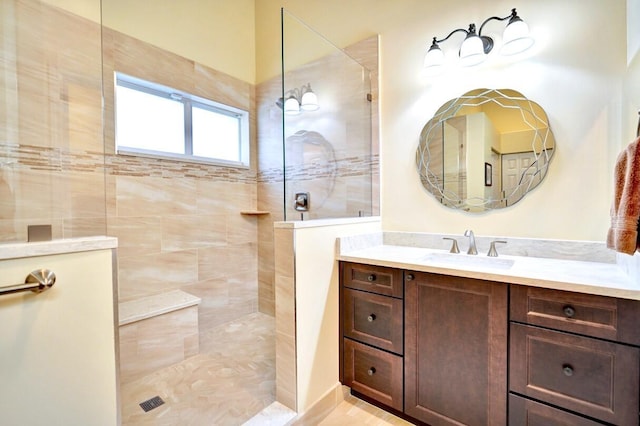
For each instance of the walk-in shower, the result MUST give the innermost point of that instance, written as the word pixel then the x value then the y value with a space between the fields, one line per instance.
pixel 195 238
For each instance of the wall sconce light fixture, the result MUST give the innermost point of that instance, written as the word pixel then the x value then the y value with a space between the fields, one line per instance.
pixel 475 47
pixel 297 100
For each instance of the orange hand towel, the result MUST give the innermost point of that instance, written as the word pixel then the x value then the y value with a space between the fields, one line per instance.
pixel 625 210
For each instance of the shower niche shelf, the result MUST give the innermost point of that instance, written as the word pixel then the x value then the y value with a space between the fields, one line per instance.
pixel 254 212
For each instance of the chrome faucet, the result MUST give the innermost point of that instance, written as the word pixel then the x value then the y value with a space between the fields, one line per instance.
pixel 472 242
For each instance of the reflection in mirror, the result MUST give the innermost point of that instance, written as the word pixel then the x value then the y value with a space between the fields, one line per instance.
pixel 485 150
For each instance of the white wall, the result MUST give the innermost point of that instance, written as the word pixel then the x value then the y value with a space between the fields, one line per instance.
pixel 57 348
pixel 575 72
pixel 316 280
pixel 576 79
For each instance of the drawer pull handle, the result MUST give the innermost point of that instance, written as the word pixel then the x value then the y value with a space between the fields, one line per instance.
pixel 410 277
pixel 569 311
pixel 371 371
pixel 371 318
pixel 567 370
pixel 371 278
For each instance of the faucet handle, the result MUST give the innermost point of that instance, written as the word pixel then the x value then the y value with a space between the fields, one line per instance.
pixel 454 245
pixel 492 248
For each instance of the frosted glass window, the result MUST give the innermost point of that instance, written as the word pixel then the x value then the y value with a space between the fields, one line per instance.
pixel 149 122
pixel 160 121
pixel 215 135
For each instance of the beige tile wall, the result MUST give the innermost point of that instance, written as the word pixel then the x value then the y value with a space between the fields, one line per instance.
pixel 179 224
pixel 51 149
pixel 154 343
pixel 285 296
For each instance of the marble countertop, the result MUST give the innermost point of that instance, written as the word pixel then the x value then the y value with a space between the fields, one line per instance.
pixel 600 278
pixel 61 246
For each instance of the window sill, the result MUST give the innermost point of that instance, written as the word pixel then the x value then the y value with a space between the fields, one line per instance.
pixel 181 158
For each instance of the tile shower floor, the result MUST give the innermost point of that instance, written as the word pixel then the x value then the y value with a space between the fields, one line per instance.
pixel 227 383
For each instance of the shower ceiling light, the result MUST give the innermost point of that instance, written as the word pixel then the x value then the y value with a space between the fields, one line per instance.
pixel 299 100
pixel 475 47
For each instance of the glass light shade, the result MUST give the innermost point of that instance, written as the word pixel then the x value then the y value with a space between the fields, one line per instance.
pixel 291 106
pixel 309 101
pixel 516 38
pixel 434 59
pixel 472 51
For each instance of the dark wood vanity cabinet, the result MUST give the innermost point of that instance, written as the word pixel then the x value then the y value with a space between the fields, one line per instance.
pixel 574 352
pixel 455 350
pixel 431 346
pixel 446 350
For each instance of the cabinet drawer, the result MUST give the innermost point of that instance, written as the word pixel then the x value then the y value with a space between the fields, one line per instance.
pixel 374 373
pixel 524 412
pixel 375 279
pixel 373 319
pixel 591 315
pixel 592 377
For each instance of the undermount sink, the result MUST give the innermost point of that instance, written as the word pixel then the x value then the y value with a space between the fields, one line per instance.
pixel 451 259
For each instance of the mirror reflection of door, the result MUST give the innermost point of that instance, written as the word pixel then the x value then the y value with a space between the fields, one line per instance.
pixel 454 179
pixel 519 173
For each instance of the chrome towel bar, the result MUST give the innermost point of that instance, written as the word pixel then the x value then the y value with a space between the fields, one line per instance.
pixel 37 281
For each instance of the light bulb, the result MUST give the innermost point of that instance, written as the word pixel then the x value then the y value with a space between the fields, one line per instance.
pixel 472 51
pixel 434 59
pixel 516 38
pixel 291 106
pixel 309 101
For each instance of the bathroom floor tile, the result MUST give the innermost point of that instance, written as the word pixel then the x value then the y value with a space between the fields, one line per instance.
pixel 227 383
pixel 353 411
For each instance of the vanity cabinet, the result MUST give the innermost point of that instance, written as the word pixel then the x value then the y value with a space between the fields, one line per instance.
pixel 575 352
pixel 372 342
pixel 421 343
pixel 446 350
pixel 455 350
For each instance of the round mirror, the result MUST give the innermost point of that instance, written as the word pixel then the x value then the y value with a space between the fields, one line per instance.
pixel 485 150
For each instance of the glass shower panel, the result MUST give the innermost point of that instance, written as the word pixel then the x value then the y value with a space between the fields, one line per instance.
pixel 328 162
pixel 51 144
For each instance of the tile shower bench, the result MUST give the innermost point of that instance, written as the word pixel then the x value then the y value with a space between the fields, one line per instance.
pixel 157 331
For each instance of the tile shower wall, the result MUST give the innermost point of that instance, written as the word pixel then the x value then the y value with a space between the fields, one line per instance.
pixel 338 180
pixel 51 145
pixel 179 224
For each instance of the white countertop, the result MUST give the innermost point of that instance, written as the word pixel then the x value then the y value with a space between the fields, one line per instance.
pixel 600 278
pixel 61 246
pixel 318 223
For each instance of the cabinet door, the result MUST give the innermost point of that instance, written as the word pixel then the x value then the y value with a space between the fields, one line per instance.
pixel 455 350
pixel 525 412
pixel 593 377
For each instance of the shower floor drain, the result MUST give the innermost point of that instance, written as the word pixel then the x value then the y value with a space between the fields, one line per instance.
pixel 152 403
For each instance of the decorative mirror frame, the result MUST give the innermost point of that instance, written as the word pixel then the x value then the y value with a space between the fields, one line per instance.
pixel 543 147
